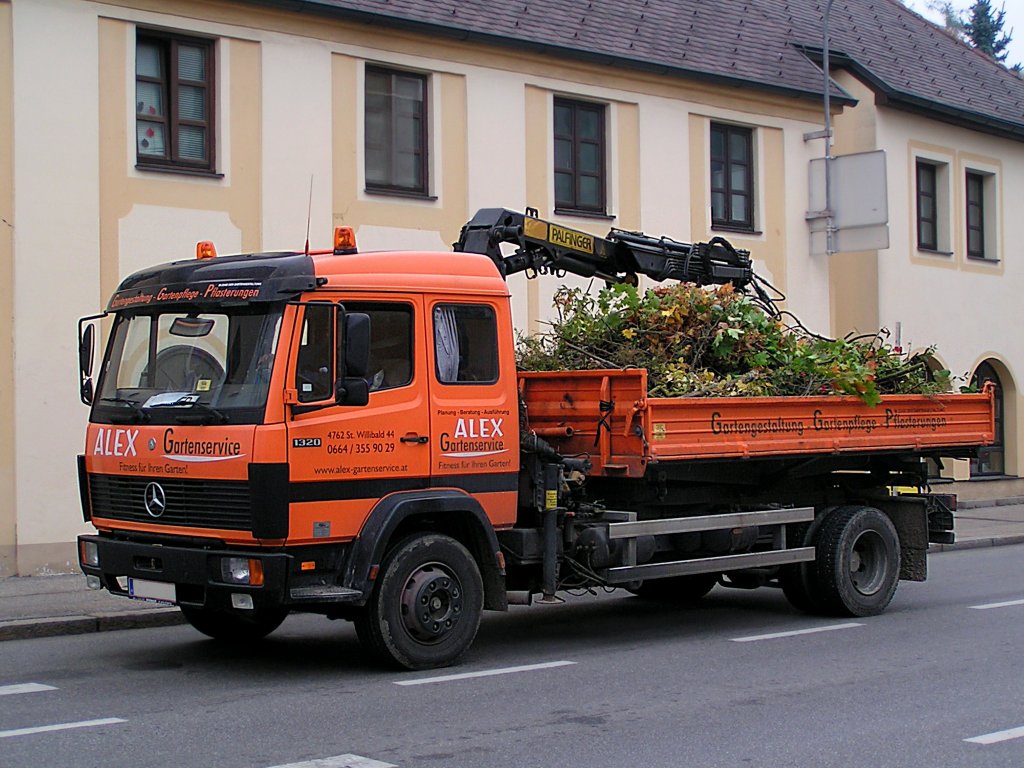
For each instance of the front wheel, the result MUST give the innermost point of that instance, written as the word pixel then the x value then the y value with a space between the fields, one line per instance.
pixel 234 627
pixel 857 561
pixel 425 607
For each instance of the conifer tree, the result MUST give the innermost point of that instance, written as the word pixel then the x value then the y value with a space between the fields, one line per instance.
pixel 984 30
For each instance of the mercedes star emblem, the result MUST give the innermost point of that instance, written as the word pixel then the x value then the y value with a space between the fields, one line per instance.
pixel 155 499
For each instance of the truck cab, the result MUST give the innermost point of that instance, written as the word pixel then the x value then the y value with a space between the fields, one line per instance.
pixel 264 426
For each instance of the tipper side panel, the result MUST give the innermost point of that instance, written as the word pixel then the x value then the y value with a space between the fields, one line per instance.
pixel 607 416
pixel 763 426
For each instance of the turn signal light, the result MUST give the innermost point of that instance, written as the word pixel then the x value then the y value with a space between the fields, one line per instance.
pixel 205 250
pixel 344 240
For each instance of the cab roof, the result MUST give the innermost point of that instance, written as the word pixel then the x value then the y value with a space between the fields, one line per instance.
pixel 264 277
pixel 426 271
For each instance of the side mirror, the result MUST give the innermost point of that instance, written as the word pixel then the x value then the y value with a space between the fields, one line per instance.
pixel 86 350
pixel 86 392
pixel 352 390
pixel 352 387
pixel 357 344
pixel 87 357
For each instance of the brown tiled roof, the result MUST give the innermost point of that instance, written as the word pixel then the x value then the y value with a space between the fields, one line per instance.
pixel 767 44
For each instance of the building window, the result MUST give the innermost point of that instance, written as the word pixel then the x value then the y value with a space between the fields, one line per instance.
pixel 579 156
pixel 465 344
pixel 927 207
pixel 732 176
pixel 991 458
pixel 396 131
pixel 174 93
pixel 975 193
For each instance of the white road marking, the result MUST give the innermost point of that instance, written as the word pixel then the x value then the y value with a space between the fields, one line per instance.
pixel 340 761
pixel 60 727
pixel 795 632
pixel 485 673
pixel 1007 604
pixel 10 690
pixel 994 738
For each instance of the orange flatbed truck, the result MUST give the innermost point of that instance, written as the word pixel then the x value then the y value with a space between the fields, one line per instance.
pixel 346 434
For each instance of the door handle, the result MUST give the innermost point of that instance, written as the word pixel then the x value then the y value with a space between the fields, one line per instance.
pixel 418 439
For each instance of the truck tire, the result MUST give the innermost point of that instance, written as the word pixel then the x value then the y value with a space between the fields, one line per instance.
pixel 677 589
pixel 857 563
pixel 425 607
pixel 798 580
pixel 234 627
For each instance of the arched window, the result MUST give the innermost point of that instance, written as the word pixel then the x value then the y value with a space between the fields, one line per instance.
pixel 991 458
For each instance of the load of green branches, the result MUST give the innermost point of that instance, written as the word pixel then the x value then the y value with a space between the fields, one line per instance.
pixel 717 342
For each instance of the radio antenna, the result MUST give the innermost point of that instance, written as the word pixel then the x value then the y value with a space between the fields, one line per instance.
pixel 309 212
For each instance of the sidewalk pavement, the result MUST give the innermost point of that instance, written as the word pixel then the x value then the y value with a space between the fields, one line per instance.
pixel 43 606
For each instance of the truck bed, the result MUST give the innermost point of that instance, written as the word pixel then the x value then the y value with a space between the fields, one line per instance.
pixel 607 415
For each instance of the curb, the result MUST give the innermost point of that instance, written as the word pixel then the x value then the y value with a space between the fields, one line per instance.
pixel 989 541
pixel 23 629
pixel 1007 501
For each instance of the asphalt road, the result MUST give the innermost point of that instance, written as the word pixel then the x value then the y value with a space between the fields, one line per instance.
pixel 937 680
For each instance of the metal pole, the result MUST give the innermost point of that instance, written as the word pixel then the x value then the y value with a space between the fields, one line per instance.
pixel 829 224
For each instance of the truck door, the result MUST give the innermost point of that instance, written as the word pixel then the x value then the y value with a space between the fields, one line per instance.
pixel 474 412
pixel 344 458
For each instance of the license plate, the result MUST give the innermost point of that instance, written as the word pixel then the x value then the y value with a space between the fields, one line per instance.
pixel 154 591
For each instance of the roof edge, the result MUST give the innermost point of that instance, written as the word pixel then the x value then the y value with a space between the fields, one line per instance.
pixel 321 8
pixel 947 113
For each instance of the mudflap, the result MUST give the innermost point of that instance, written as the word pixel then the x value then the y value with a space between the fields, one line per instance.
pixel 909 514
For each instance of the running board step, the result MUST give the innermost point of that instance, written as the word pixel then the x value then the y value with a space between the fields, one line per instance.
pixel 323 594
pixel 709 522
pixel 628 573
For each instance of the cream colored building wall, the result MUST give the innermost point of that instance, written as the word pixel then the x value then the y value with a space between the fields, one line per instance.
pixel 296 124
pixel 8 501
pixel 289 99
pixel 56 255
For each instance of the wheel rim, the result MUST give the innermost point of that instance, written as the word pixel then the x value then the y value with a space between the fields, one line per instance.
pixel 431 602
pixel 868 563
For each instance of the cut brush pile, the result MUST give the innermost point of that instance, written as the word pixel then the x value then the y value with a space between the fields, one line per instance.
pixel 717 342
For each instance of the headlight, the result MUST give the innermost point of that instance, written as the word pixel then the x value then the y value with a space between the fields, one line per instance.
pixel 241 570
pixel 89 552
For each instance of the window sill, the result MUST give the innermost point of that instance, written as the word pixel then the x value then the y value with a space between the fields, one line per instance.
pixel 982 260
pixel 933 251
pixel 736 230
pixel 377 192
pixel 178 171
pixel 585 214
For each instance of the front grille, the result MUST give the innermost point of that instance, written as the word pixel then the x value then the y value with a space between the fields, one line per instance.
pixel 193 503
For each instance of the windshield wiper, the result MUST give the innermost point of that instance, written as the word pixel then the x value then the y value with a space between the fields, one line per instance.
pixel 195 412
pixel 134 412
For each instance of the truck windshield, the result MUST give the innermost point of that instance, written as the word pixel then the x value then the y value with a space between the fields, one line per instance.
pixel 189 366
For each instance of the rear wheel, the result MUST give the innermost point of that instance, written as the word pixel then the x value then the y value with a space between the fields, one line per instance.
pixel 857 561
pixel 798 580
pixel 425 608
pixel 234 627
pixel 679 589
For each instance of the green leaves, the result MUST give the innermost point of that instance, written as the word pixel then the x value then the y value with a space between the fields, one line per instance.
pixel 697 341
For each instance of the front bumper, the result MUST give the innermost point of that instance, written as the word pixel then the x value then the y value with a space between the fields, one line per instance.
pixel 195 573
